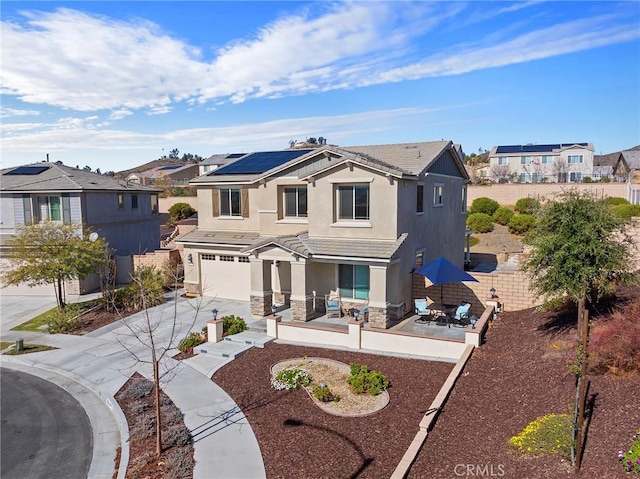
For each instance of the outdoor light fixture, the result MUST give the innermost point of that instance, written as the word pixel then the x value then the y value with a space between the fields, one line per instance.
pixel 356 313
pixel 473 320
pixel 215 314
pixel 277 263
pixel 274 308
pixel 190 258
pixel 492 292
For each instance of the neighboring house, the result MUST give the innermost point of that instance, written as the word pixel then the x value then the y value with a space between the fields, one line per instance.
pixel 125 215
pixel 169 175
pixel 216 161
pixel 628 167
pixel 561 162
pixel 290 226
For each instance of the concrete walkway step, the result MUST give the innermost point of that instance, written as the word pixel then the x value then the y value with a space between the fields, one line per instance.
pixel 207 364
pixel 223 349
pixel 252 338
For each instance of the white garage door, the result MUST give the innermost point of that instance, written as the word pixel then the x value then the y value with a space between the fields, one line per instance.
pixel 225 276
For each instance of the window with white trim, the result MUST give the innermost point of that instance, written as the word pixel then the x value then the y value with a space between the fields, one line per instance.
pixel 295 202
pixel 420 258
pixel 227 258
pixel 438 189
pixel 154 203
pixel 575 177
pixel 503 160
pixel 525 160
pixel 353 202
pixel 574 159
pixel 243 259
pixel 120 201
pixel 525 178
pixel 230 202
pixel 547 159
pixel 208 257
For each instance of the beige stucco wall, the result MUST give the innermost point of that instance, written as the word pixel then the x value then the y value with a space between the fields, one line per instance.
pixel 508 194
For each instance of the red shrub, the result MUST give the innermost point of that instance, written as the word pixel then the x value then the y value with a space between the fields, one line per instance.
pixel 614 344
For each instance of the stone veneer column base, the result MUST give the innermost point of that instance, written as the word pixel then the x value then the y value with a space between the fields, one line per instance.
pixel 383 317
pixel 261 305
pixel 302 310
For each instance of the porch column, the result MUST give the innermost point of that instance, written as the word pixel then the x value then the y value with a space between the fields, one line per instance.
pixel 261 293
pixel 378 304
pixel 301 296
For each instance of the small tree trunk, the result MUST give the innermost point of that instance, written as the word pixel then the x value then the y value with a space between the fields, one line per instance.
pixel 156 387
pixel 61 303
pixel 583 326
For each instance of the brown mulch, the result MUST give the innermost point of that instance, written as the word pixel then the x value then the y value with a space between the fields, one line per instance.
pixel 98 318
pixel 298 439
pixel 138 406
pixel 514 378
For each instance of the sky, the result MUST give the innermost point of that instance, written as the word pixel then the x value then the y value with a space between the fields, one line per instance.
pixel 113 85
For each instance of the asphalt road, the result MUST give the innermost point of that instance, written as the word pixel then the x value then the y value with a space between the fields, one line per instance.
pixel 45 432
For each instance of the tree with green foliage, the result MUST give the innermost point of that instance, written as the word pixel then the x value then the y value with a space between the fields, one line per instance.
pixel 52 253
pixel 581 248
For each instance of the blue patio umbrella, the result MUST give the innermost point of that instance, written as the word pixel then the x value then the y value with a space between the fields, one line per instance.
pixel 441 271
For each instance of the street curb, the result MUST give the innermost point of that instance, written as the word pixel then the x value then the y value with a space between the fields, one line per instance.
pixel 98 461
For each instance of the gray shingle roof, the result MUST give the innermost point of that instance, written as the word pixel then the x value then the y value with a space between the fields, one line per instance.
pixel 65 178
pixel 411 158
pixel 233 238
pixel 352 248
pixel 632 157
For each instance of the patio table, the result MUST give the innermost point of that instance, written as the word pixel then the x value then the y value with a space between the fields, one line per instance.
pixel 440 310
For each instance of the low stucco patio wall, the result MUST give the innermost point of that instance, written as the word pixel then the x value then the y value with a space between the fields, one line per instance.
pixel 357 337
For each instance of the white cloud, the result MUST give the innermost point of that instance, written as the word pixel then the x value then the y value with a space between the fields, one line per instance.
pixel 6 112
pixel 83 62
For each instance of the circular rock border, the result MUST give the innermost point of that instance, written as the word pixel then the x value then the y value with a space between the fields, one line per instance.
pixel 377 403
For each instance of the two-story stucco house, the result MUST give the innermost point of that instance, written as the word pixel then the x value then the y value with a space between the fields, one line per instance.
pixel 178 174
pixel 125 215
pixel 290 226
pixel 560 162
pixel 216 161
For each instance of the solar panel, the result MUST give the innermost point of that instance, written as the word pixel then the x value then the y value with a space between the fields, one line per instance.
pixel 235 155
pixel 535 148
pixel 171 167
pixel 260 162
pixel 27 170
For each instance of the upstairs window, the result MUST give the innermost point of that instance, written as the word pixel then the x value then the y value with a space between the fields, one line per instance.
pixel 437 194
pixel 134 202
pixel 547 159
pixel 295 202
pixel 464 199
pixel 525 160
pixel 154 204
pixel 353 202
pixel 503 160
pixel 575 159
pixel 120 201
pixel 230 202
pixel 420 199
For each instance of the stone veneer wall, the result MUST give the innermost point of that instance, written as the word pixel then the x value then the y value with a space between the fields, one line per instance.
pixel 302 310
pixel 261 305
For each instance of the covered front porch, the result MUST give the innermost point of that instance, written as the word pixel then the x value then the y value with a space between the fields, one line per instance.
pixel 302 273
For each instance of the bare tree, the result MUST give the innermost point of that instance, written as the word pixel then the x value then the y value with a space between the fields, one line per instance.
pixel 536 170
pixel 501 173
pixel 561 170
pixel 154 335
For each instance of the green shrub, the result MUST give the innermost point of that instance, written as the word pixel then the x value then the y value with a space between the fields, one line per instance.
pixel 323 393
pixel 626 210
pixel 146 289
pixel 480 222
pixel 364 381
pixel 551 434
pixel 233 325
pixel 64 320
pixel 290 379
pixel 520 224
pixel 193 339
pixel 631 459
pixel 615 200
pixel 181 211
pixel 502 215
pixel 484 205
pixel 527 206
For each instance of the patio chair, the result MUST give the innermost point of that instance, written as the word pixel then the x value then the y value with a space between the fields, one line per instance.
pixel 422 310
pixel 333 305
pixel 461 314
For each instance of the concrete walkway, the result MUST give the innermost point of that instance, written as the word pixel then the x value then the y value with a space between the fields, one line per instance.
pixel 224 443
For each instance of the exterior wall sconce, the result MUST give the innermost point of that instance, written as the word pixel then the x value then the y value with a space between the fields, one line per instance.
pixel 274 309
pixel 215 314
pixel 473 320
pixel 492 292
pixel 277 263
pixel 356 313
pixel 190 258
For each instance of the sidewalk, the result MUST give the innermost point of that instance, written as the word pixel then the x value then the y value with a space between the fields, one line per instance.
pixel 224 443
